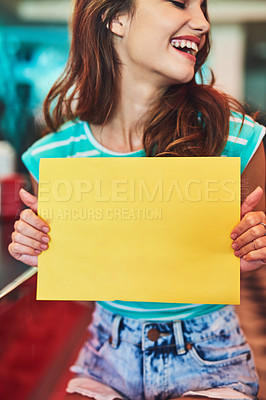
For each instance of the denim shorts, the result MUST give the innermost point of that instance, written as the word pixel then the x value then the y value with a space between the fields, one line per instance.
pixel 147 360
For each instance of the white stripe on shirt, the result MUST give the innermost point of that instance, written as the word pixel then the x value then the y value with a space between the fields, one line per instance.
pixel 237 140
pixel 88 153
pixel 123 307
pixel 246 121
pixel 60 143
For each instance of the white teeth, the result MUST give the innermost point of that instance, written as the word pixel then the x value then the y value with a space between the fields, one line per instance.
pixel 194 46
pixel 186 43
pixel 175 44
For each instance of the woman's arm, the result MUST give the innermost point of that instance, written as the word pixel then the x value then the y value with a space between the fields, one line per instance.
pixel 34 185
pixel 249 235
pixel 254 176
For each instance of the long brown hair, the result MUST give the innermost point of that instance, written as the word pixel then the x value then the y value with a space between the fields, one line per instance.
pixel 187 120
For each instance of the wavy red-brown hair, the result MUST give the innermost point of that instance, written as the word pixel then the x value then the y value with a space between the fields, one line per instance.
pixel 187 120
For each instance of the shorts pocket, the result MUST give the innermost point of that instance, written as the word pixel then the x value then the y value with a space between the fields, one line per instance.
pixel 221 359
pixel 222 350
pixel 95 351
pixel 99 337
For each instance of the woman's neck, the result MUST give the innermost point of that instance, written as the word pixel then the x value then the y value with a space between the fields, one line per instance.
pixel 123 132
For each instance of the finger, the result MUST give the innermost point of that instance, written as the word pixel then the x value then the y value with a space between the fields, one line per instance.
pixel 32 261
pixel 256 255
pixel 32 219
pixel 248 266
pixel 251 219
pixel 28 230
pixel 17 250
pixel 251 201
pixel 255 245
pixel 25 258
pixel 264 225
pixel 249 236
pixel 29 200
pixel 27 241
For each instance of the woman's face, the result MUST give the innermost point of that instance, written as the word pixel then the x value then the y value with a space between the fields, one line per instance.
pixel 160 42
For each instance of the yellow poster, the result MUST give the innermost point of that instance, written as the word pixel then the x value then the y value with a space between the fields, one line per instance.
pixel 140 229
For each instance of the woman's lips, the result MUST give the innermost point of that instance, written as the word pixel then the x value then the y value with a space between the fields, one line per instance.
pixel 187 45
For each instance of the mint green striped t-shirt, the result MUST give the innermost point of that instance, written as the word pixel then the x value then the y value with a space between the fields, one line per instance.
pixel 75 139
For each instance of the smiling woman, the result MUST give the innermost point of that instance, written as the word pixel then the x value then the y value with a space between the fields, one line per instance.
pixel 129 90
pixel 162 68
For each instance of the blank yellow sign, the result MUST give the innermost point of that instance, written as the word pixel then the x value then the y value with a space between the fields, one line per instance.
pixel 140 229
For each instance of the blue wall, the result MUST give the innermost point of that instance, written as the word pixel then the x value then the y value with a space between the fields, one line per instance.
pixel 32 58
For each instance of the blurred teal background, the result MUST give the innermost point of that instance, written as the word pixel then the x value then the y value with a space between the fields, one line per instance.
pixel 31 59
pixel 33 54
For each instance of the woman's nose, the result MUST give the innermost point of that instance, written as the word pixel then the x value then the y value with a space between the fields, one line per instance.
pixel 198 22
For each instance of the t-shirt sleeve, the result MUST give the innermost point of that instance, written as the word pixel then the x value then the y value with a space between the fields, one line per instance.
pixel 68 141
pixel 31 158
pixel 244 138
pixel 50 146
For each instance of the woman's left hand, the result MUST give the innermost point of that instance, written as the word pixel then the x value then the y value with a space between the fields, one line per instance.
pixel 249 236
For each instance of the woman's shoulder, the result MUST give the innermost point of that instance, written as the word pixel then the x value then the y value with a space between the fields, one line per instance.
pixel 245 136
pixel 66 142
pixel 71 130
pixel 243 125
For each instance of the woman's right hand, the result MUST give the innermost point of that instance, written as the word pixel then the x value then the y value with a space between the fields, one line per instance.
pixel 30 236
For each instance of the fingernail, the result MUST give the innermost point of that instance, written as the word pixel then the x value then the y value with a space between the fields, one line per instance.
pixel 37 251
pixel 235 246
pixel 45 239
pixel 234 236
pixel 44 246
pixel 245 258
pixel 238 253
pixel 45 229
